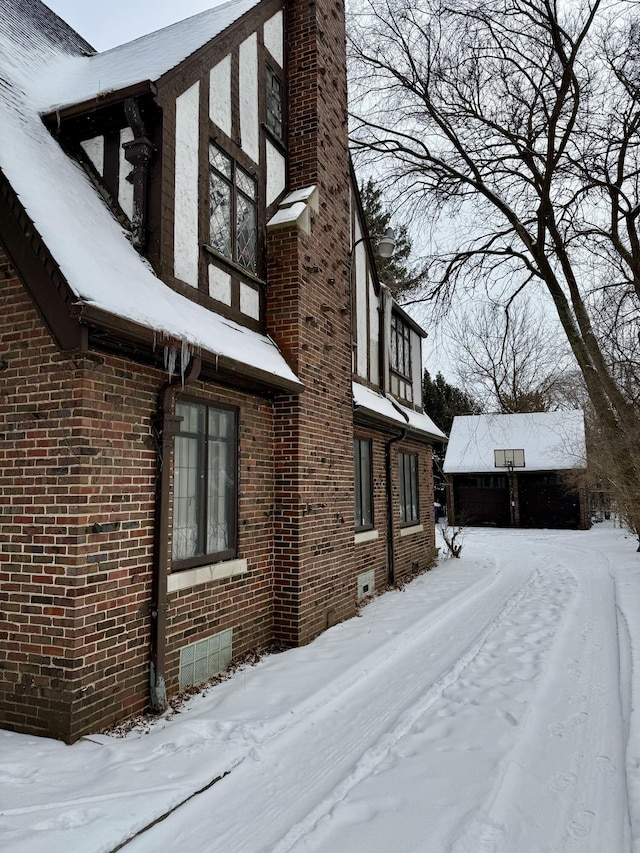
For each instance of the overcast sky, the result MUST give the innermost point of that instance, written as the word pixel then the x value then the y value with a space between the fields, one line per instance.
pixel 106 23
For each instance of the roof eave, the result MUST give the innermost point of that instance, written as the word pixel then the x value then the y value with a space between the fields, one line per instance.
pixel 215 365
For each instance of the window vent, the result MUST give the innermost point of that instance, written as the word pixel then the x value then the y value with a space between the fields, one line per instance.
pixel 366 584
pixel 200 661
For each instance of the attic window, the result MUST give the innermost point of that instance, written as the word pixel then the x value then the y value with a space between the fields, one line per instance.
pixel 233 210
pixel 400 347
pixel 274 104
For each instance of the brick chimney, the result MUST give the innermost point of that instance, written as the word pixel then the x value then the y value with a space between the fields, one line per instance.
pixel 309 315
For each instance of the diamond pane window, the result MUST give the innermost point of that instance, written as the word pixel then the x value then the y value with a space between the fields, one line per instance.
pixel 233 211
pixel 220 216
pixel 246 233
pixel 246 184
pixel 220 161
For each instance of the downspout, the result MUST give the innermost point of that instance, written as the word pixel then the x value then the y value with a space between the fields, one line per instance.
pixel 168 426
pixel 391 556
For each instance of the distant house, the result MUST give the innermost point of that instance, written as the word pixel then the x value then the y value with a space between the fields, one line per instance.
pixel 511 470
pixel 211 423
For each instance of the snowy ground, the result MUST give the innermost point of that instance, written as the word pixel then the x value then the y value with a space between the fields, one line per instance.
pixel 489 707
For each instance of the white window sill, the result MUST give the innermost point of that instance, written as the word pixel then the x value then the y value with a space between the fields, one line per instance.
pixel 205 574
pixel 409 531
pixel 365 536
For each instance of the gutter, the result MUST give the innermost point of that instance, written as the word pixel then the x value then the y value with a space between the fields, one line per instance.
pixel 168 426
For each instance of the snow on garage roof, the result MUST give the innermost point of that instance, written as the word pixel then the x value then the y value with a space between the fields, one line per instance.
pixel 552 441
pixel 91 249
pixel 382 408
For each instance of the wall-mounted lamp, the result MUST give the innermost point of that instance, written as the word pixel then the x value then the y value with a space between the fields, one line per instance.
pixel 385 243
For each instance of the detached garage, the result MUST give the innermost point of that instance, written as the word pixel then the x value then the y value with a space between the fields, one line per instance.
pixel 511 470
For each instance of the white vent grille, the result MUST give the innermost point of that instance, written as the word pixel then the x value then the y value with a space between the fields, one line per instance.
pixel 366 584
pixel 199 661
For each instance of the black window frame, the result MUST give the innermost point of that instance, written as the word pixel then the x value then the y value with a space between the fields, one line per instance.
pixel 204 556
pixel 236 193
pixel 401 356
pixel 363 501
pixel 408 483
pixel 270 76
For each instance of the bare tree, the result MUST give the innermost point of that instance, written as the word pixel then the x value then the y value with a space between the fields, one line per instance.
pixel 515 125
pixel 511 359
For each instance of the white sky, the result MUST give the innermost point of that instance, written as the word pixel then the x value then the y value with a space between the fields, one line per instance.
pixel 106 23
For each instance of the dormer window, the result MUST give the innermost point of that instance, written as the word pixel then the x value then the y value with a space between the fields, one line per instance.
pixel 400 347
pixel 400 362
pixel 233 210
pixel 274 104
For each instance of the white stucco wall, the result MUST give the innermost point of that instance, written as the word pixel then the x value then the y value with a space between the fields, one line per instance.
pixel 220 95
pixel 185 241
pixel 125 187
pixel 219 284
pixel 416 367
pixel 276 173
pixel 249 126
pixel 274 37
pixel 249 301
pixel 94 149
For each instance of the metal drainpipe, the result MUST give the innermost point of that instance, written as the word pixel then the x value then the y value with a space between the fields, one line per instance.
pixel 391 570
pixel 170 426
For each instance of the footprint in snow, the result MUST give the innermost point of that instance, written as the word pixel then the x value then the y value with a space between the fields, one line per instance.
pixel 605 766
pixel 562 780
pixel 508 717
pixel 581 825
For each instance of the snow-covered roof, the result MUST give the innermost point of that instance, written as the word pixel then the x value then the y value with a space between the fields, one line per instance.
pixel 552 441
pixel 91 249
pixel 74 79
pixel 383 408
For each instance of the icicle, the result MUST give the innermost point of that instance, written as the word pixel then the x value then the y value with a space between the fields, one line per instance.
pixel 185 358
pixel 170 355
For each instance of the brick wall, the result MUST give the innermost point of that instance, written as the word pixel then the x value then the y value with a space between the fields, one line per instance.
pixel 308 310
pixel 78 469
pixel 243 603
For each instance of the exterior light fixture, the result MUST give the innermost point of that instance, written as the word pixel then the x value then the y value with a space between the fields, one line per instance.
pixel 387 243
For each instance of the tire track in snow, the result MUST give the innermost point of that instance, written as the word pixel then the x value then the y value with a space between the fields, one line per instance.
pixel 585 805
pixel 474 673
pixel 484 606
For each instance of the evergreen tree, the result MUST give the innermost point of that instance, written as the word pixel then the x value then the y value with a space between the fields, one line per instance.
pixel 442 401
pixel 395 272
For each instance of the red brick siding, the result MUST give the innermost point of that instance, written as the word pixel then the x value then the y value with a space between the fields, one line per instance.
pixel 243 603
pixel 308 311
pixel 78 470
pixel 414 552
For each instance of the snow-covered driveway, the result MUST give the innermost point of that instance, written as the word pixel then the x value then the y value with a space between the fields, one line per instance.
pixel 486 708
